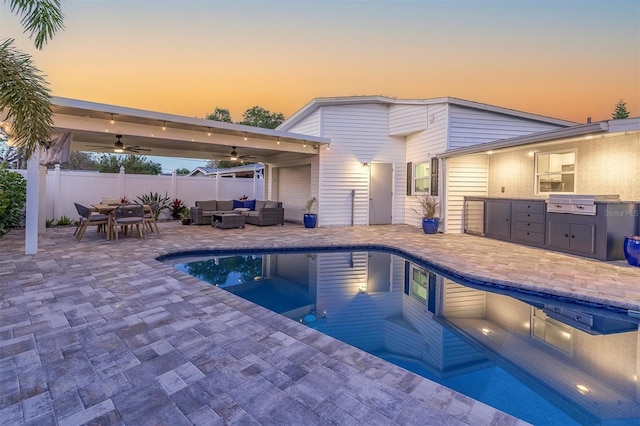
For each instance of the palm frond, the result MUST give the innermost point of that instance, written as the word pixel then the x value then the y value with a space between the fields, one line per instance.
pixel 40 18
pixel 25 99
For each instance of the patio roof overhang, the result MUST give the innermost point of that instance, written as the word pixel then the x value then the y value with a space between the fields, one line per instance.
pixel 95 126
pixel 579 132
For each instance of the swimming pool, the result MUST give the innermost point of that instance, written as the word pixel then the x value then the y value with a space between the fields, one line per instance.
pixel 546 360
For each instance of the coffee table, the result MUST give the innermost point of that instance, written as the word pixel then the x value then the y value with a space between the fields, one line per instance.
pixel 227 220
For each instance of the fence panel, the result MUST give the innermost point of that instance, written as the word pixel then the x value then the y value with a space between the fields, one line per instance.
pixel 88 188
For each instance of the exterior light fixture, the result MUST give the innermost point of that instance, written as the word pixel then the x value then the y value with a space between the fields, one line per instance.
pixel 208 131
pixel 362 289
pixel 234 154
pixel 164 125
pixel 489 152
pixel 245 136
pixel 582 389
pixel 112 121
pixel 304 145
pixel 365 164
pixel 278 140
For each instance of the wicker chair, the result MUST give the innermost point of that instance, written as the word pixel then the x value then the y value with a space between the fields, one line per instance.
pixel 89 218
pixel 128 215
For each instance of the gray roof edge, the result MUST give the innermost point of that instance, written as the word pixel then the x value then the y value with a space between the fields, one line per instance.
pixel 567 132
pixel 352 100
pixel 165 117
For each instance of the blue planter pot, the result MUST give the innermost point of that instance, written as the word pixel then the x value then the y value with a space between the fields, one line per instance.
pixel 430 225
pixel 310 220
pixel 632 251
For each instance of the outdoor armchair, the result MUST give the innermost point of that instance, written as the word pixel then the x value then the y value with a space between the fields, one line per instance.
pixel 128 215
pixel 89 218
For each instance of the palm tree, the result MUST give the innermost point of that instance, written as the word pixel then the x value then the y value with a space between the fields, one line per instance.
pixel 24 93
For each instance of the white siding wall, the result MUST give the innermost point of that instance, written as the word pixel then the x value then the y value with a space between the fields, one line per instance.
pixel 309 126
pixel 359 134
pixel 470 126
pixel 465 176
pixel 406 119
pixel 421 147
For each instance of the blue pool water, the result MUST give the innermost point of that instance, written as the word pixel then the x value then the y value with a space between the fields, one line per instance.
pixel 546 360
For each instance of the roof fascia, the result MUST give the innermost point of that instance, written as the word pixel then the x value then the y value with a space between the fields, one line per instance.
pixel 351 100
pixel 549 136
pixel 172 118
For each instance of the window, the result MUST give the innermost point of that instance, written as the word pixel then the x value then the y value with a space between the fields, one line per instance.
pixel 555 172
pixel 419 284
pixel 421 177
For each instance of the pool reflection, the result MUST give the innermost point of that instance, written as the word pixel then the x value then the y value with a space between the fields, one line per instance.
pixel 584 360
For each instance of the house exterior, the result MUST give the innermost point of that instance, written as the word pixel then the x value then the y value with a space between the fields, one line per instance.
pixel 255 170
pixel 384 151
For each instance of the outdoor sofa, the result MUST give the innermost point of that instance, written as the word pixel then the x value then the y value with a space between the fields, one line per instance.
pixel 260 213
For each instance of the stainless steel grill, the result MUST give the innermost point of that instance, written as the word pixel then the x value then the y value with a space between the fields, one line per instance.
pixel 576 204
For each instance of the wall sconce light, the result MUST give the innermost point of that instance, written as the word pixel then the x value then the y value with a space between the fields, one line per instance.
pixel 245 136
pixel 362 289
pixel 208 131
pixel 365 164
pixel 278 140
pixel 112 121
pixel 164 125
pixel 304 145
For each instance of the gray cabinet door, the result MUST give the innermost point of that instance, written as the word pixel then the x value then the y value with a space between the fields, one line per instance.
pixel 572 236
pixel 498 218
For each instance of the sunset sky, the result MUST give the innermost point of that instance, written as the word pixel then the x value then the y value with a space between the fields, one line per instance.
pixel 565 59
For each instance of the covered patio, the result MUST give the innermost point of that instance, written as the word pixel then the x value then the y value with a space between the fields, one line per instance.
pixel 95 126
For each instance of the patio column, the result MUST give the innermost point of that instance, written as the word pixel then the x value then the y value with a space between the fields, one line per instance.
pixel 57 202
pixel 174 184
pixel 217 185
pixel 36 185
pixel 121 178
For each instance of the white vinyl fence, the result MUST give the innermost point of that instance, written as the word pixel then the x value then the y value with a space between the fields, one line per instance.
pixel 64 188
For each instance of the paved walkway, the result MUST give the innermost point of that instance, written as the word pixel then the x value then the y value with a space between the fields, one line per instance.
pixel 99 332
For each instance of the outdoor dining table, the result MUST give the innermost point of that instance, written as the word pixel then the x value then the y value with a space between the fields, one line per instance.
pixel 108 209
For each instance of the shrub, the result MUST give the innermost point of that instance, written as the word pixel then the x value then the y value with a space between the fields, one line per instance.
pixel 50 223
pixel 176 208
pixel 13 196
pixel 65 221
pixel 163 202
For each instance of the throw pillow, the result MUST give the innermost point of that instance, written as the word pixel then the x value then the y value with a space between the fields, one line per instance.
pixel 237 204
pixel 250 204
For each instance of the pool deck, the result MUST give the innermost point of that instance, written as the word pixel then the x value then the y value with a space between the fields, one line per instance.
pixel 99 332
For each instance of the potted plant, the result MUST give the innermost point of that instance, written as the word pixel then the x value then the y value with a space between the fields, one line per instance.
pixel 428 209
pixel 632 249
pixel 176 208
pixel 184 214
pixel 310 218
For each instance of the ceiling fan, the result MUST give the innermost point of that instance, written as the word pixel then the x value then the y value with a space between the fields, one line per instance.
pixel 233 156
pixel 118 147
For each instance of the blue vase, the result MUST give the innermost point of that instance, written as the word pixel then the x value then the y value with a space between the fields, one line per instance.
pixel 310 220
pixel 632 250
pixel 430 225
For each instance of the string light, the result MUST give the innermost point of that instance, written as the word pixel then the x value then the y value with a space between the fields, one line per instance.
pixel 112 121
pixel 164 125
pixel 209 131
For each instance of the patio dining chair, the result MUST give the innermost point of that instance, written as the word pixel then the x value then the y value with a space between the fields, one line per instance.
pixel 150 213
pixel 89 218
pixel 128 215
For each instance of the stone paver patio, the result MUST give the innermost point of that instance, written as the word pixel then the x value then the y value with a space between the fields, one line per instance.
pixel 99 332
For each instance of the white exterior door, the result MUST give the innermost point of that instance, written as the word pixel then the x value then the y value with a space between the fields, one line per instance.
pixel 294 189
pixel 380 193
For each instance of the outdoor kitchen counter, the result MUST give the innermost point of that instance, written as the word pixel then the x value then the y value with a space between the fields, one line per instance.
pixel 574 224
